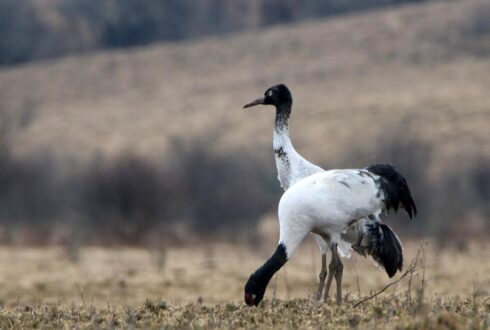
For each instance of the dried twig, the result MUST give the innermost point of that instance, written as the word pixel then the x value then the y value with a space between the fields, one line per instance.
pixel 358 287
pixel 421 290
pixel 410 270
pixel 409 289
pixel 81 294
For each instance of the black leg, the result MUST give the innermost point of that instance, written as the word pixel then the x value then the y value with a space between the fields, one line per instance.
pixel 336 269
pixel 322 276
pixel 338 278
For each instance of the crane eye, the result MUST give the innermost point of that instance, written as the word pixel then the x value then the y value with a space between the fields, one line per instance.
pixel 269 93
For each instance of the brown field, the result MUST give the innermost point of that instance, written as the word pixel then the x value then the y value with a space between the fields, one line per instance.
pixel 202 286
pixel 421 69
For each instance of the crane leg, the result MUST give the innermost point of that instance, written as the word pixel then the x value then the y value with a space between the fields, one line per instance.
pixel 322 276
pixel 331 268
pixel 338 276
pixel 336 269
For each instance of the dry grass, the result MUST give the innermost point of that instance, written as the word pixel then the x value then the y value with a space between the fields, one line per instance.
pixel 201 287
pixel 297 313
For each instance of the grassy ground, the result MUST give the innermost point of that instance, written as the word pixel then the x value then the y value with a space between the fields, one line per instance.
pixel 202 287
pixel 297 313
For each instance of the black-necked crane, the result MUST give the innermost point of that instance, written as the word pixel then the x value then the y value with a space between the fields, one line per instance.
pixel 340 207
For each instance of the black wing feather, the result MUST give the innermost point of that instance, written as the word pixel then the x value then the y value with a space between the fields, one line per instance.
pixel 390 252
pixel 381 243
pixel 395 188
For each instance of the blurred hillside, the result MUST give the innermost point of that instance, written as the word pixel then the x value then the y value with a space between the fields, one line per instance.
pixel 37 29
pixel 407 85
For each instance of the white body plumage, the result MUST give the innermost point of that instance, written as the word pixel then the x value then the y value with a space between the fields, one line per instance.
pixel 326 204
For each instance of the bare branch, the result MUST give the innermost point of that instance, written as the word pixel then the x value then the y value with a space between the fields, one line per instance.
pixel 410 270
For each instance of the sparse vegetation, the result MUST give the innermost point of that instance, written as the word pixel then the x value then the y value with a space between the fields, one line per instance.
pixel 124 199
pixel 225 194
pixel 296 313
pixel 29 188
pixel 129 199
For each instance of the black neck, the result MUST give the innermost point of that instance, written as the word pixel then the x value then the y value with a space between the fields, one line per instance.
pixel 259 280
pixel 271 266
pixel 283 112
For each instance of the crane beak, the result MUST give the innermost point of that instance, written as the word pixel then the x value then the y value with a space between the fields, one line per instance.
pixel 260 100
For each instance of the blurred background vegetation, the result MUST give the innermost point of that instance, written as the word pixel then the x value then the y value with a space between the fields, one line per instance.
pixel 147 143
pixel 34 29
